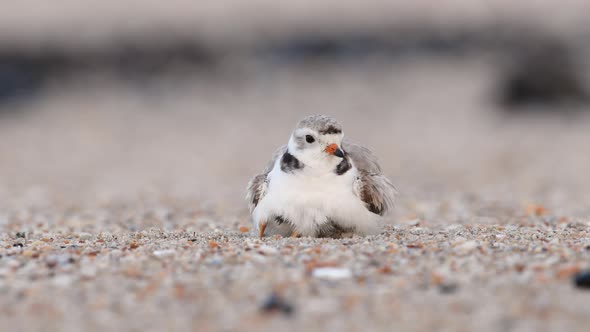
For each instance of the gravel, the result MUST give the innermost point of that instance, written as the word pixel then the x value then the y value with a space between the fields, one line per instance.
pixel 443 275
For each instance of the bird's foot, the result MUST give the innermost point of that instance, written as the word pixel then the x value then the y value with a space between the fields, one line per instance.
pixel 262 227
pixel 295 234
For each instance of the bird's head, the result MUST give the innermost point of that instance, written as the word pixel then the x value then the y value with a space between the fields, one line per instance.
pixel 316 142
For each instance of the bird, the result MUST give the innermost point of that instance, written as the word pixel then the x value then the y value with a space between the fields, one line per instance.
pixel 320 185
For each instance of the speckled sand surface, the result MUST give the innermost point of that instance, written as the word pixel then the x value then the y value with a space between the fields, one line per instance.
pixel 121 207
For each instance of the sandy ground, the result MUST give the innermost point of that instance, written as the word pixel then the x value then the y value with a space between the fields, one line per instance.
pixel 121 207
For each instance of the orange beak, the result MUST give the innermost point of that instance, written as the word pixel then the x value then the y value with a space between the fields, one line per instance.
pixel 334 150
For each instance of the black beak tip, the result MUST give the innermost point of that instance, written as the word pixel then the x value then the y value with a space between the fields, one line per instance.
pixel 339 153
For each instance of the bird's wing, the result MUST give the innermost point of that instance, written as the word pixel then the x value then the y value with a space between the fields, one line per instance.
pixel 259 184
pixel 376 191
pixel 362 157
pixel 371 186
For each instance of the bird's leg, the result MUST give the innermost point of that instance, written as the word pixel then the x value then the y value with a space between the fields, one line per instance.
pixel 262 227
pixel 295 234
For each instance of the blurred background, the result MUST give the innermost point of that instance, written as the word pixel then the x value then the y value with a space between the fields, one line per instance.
pixel 476 109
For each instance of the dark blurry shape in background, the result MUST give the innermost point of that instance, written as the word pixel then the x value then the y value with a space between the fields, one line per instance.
pixel 24 71
pixel 19 76
pixel 533 68
pixel 543 71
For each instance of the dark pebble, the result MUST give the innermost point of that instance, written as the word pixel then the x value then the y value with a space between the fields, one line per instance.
pixel 18 245
pixel 20 235
pixel 448 288
pixel 582 279
pixel 275 303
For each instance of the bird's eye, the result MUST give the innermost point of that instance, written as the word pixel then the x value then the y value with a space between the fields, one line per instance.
pixel 309 139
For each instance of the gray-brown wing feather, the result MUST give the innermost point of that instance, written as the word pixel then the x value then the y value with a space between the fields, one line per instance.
pixel 376 191
pixel 258 185
pixel 371 186
pixel 362 157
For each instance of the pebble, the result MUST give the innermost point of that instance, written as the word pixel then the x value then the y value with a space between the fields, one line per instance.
pixel 276 303
pixel 215 261
pixel 448 288
pixel 13 263
pixel 88 272
pixel 259 259
pixel 454 228
pixel 582 279
pixel 466 247
pixel 84 236
pixel 331 273
pixel 62 281
pixel 164 253
pixel 267 250
pixel 459 240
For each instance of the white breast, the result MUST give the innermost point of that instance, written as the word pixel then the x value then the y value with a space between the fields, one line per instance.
pixel 309 200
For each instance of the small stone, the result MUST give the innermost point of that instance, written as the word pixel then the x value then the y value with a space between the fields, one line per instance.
pixel 51 262
pixel 582 279
pixel 331 273
pixel 244 229
pixel 312 265
pixel 13 264
pixel 259 259
pixel 466 247
pixel 20 235
pixel 448 288
pixel 62 281
pixel 267 250
pixel 454 228
pixel 276 303
pixel 215 261
pixel 84 236
pixel 88 272
pixel 459 240
pixel 437 278
pixel 164 253
pixel 132 272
